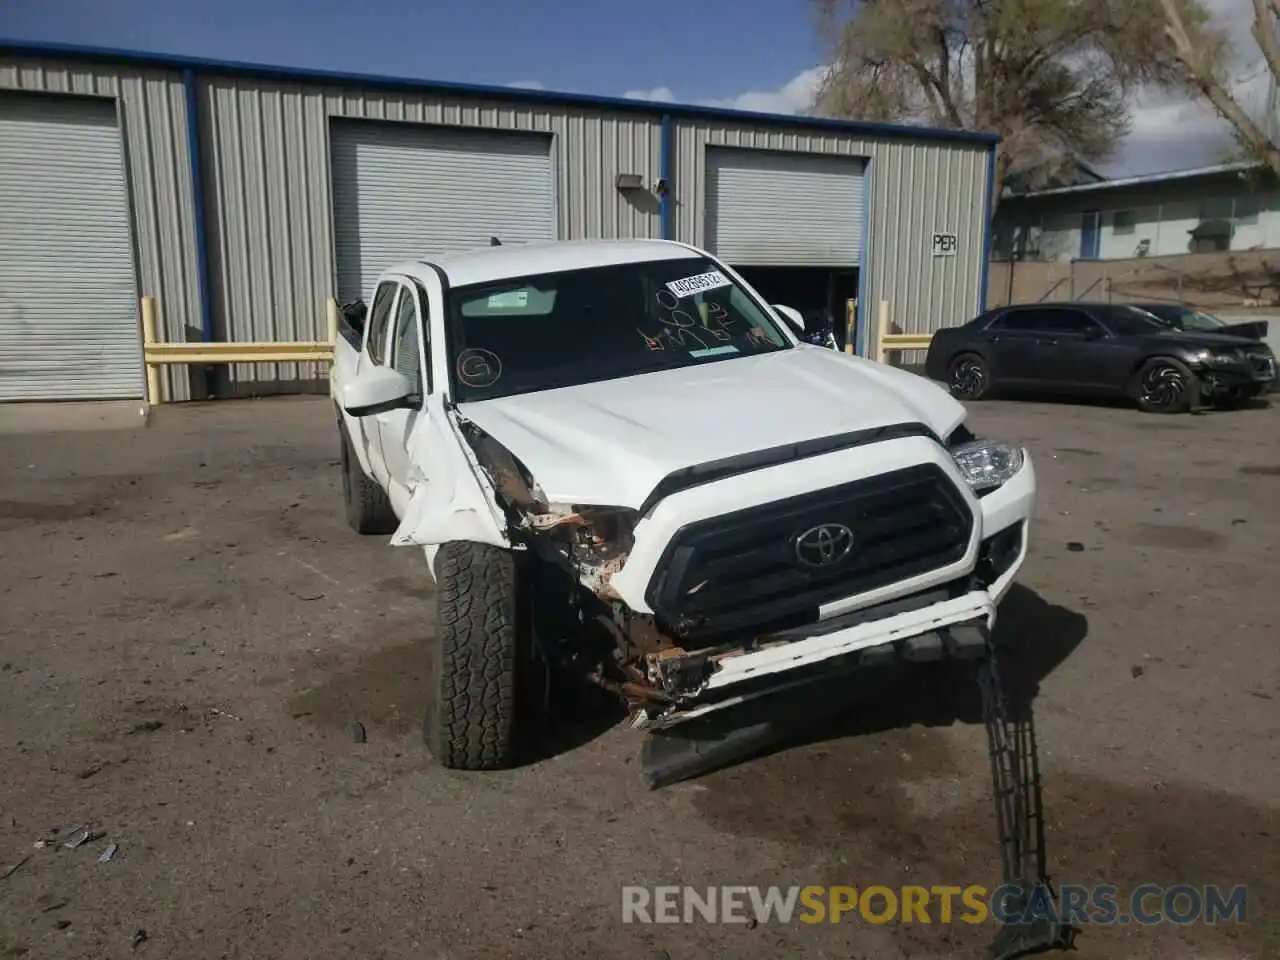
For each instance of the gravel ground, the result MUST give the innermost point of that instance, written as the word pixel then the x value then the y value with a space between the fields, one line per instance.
pixel 187 628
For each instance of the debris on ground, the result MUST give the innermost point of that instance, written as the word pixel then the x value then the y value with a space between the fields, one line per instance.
pixel 109 853
pixel 139 938
pixel 1075 546
pixel 356 729
pixel 77 839
pixel 1137 671
pixel 15 868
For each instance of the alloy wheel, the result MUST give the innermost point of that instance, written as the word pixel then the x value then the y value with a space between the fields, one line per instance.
pixel 1163 386
pixel 968 377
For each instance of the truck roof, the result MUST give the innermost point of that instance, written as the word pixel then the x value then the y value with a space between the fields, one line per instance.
pixel 485 264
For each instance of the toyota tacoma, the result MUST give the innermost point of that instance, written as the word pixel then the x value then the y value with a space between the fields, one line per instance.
pixel 621 461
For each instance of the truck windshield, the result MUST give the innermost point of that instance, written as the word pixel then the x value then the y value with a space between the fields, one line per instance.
pixel 577 326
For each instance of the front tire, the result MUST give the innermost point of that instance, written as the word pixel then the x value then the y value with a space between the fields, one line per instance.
pixel 1166 385
pixel 482 641
pixel 968 377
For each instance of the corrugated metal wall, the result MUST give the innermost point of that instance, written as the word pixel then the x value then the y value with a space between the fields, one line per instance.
pixel 916 188
pixel 270 212
pixel 153 111
pixel 265 155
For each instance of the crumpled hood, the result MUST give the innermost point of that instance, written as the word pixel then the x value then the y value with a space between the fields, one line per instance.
pixel 611 442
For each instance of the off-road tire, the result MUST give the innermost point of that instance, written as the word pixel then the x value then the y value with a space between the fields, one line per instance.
pixel 969 377
pixel 482 643
pixel 367 507
pixel 1166 385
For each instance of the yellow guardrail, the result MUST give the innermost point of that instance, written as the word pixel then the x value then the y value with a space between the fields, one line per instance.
pixel 888 342
pixel 156 353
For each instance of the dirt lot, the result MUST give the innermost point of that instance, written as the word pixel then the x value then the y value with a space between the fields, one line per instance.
pixel 187 628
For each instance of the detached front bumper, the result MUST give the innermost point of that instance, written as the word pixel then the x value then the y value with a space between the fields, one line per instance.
pixel 947 620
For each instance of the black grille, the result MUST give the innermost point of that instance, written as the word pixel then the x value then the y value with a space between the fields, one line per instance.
pixel 741 570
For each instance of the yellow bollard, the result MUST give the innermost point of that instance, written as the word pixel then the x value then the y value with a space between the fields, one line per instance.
pixel 149 337
pixel 882 331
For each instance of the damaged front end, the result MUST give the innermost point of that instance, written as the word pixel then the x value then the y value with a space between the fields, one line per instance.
pixel 704 640
pixel 581 548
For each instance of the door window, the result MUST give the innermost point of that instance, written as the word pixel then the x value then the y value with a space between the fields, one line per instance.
pixel 1018 320
pixel 380 320
pixel 1072 321
pixel 404 354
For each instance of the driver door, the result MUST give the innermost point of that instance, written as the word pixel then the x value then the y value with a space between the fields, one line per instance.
pixel 363 431
pixel 407 354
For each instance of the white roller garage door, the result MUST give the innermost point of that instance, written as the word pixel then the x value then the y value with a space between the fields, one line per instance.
pixel 68 300
pixel 404 191
pixel 767 208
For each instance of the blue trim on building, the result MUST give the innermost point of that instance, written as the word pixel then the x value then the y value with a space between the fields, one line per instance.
pixel 664 174
pixel 228 67
pixel 987 208
pixel 861 324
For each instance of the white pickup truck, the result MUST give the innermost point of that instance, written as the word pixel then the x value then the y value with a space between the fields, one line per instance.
pixel 619 458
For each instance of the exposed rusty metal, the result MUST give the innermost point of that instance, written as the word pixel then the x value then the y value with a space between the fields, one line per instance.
pixel 504 470
pixel 631 692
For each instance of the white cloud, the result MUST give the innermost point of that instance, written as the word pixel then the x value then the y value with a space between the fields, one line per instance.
pixel 527 85
pixel 654 95
pixel 795 96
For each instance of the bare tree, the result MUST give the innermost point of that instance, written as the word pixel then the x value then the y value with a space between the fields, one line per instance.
pixel 1204 55
pixel 1052 77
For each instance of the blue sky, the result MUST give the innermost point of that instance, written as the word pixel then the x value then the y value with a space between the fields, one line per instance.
pixel 703 50
pixel 762 57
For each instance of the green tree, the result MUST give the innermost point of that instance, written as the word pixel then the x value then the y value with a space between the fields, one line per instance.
pixel 1053 77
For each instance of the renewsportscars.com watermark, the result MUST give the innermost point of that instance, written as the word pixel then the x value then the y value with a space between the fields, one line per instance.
pixel 1075 904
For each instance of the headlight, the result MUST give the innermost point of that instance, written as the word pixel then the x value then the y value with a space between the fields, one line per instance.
pixel 1221 359
pixel 987 463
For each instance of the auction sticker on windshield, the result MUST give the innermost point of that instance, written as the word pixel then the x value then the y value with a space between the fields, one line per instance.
pixel 703 281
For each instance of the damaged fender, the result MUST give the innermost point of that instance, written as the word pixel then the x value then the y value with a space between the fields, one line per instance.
pixel 456 501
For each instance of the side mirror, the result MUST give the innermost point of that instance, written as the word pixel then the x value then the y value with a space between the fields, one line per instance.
pixel 793 317
pixel 377 390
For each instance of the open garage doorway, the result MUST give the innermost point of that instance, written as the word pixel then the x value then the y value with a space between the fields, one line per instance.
pixel 793 224
pixel 823 295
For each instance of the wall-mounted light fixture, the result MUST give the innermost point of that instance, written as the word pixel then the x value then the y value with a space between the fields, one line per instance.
pixel 629 181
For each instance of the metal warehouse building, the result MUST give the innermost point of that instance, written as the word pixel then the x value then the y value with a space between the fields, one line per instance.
pixel 242 198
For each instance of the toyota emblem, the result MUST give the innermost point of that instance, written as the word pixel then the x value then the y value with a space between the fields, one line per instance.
pixel 824 545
